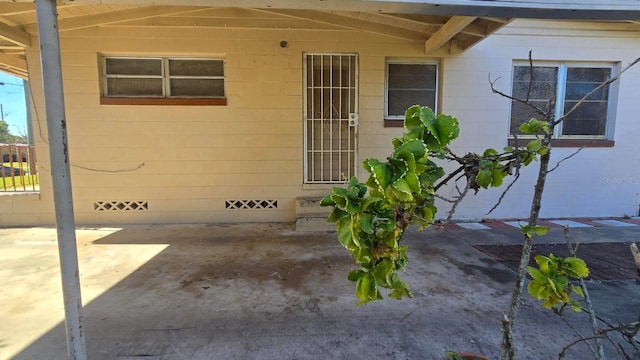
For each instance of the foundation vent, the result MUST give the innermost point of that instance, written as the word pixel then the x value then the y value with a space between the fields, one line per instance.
pixel 250 204
pixel 120 206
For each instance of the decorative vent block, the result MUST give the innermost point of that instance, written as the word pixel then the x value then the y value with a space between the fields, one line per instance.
pixel 120 206
pixel 250 204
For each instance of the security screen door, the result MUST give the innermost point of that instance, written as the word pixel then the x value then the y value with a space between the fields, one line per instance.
pixel 330 117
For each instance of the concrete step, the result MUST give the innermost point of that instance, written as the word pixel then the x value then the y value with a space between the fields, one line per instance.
pixel 314 224
pixel 310 207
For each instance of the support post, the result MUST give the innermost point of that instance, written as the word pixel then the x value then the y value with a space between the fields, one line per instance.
pixel 60 174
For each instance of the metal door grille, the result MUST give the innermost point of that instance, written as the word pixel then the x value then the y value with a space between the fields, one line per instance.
pixel 331 117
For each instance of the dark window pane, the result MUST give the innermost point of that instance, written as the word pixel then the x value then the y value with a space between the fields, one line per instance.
pixel 589 118
pixel 540 73
pixel 197 88
pixel 597 75
pixel 540 90
pixel 179 67
pixel 134 87
pixel 400 100
pixel 544 83
pixel 116 66
pixel 412 76
pixel 576 91
pixel 521 113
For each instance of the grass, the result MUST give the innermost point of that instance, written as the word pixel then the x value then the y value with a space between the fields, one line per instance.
pixel 17 183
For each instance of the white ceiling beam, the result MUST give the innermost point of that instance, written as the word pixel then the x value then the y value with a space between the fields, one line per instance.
pixel 447 32
pixel 14 35
pixel 87 21
pixel 333 18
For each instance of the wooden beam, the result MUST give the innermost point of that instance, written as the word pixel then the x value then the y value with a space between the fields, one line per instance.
pixel 16 8
pixel 333 18
pixel 14 35
pixel 447 32
pixel 87 21
pixel 208 22
pixel 16 62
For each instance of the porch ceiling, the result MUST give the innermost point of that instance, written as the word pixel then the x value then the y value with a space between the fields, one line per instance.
pixel 451 26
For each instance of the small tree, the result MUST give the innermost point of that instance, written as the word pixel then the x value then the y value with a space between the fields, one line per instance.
pixel 371 217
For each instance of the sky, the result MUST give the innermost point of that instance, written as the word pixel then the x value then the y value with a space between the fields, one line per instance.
pixel 13 104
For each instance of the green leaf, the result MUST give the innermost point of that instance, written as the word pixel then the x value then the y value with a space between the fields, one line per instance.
pixel 508 149
pixel 536 274
pixel 383 272
pixel 366 223
pixel 448 129
pixel 327 201
pixel 380 171
pixel 497 177
pixel 400 288
pixel 534 145
pixel 575 267
pixel 366 289
pixel 575 306
pixel 412 119
pixel 490 152
pixel 336 215
pixel 529 230
pixel 401 185
pixel 534 126
pixel 415 147
pixel 345 232
pixel 355 275
pixel 484 178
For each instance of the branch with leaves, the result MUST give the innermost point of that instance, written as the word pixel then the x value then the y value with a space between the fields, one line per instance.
pixel 371 217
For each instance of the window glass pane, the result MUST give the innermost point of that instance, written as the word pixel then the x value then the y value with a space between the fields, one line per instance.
pixel 401 100
pixel 521 113
pixel 543 83
pixel 119 66
pixel 581 81
pixel 576 91
pixel 412 76
pixel 590 118
pixel 540 73
pixel 541 87
pixel 597 75
pixel 197 88
pixel 134 87
pixel 201 67
pixel 540 90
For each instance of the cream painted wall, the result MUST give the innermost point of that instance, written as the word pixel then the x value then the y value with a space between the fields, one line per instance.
pixel 196 157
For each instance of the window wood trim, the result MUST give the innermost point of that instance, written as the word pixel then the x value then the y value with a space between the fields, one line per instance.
pixel 409 61
pixel 163 101
pixel 567 143
pixel 166 98
pixel 393 123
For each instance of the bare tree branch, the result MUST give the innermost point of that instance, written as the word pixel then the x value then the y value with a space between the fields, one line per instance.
pixel 523 101
pixel 504 193
pixel 566 158
pixel 592 319
pixel 458 201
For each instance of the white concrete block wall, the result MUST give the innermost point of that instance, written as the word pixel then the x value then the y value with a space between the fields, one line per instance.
pixel 598 182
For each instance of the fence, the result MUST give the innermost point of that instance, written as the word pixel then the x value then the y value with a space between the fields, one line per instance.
pixel 18 172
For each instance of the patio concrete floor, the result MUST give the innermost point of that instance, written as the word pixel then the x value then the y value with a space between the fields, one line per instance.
pixel 263 291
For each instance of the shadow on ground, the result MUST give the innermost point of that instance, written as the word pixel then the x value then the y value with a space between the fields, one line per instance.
pixel 265 292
